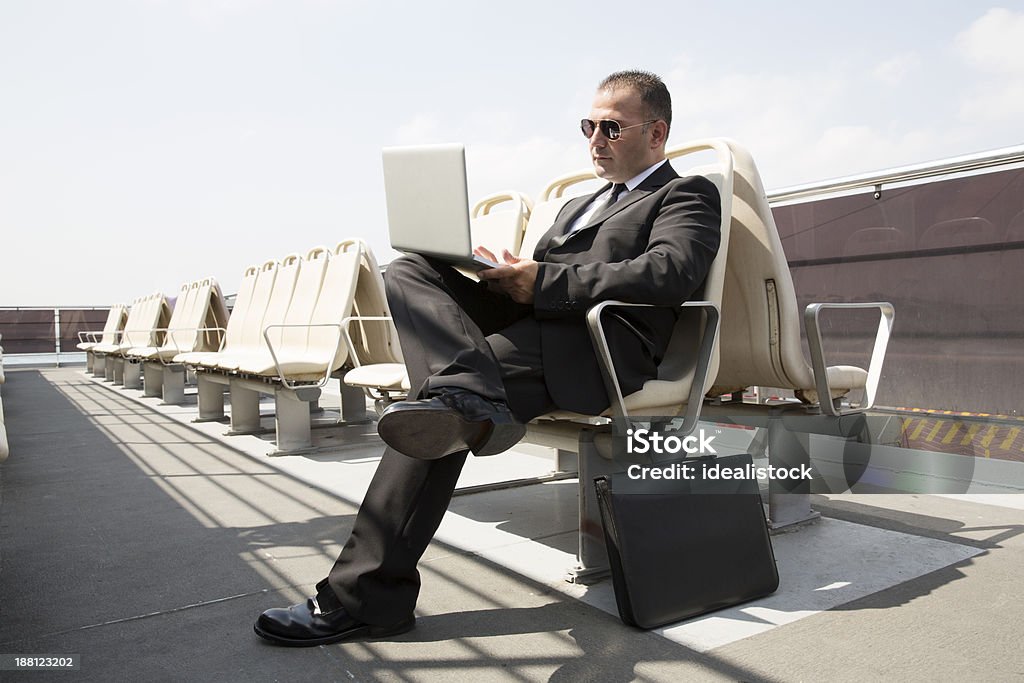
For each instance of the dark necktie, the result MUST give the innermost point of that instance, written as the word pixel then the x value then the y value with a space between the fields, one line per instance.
pixel 575 224
pixel 617 189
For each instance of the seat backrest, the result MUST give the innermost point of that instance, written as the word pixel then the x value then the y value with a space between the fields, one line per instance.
pixel 116 319
pixel 374 341
pixel 277 305
pixel 295 337
pixel 184 304
pixel 760 333
pixel 214 318
pixel 251 333
pixel 502 229
pixel 334 303
pixel 680 361
pixel 145 324
pixel 187 333
pixel 243 300
pixel 552 198
pixel 132 321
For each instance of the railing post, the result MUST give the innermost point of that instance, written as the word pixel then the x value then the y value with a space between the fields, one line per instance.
pixel 56 333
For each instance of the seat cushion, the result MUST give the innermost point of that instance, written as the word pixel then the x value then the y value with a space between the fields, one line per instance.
pixel 385 376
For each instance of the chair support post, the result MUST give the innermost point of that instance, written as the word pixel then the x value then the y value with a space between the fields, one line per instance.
pixel 152 379
pixel 173 388
pixel 131 374
pixel 245 409
pixel 353 405
pixel 292 421
pixel 211 398
pixel 789 501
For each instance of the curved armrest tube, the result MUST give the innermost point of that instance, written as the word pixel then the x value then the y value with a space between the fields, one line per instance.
pixel 820 367
pixel 327 361
pixel 604 358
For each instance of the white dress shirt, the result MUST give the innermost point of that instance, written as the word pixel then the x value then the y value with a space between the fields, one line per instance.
pixel 600 199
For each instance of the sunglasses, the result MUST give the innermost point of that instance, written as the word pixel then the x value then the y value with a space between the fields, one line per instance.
pixel 610 129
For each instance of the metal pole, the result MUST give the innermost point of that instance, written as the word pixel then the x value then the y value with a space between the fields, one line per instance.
pixel 56 333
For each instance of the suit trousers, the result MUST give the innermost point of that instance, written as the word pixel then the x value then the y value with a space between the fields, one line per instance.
pixel 454 332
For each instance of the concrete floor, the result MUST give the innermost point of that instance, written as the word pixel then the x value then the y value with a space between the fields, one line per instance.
pixel 148 546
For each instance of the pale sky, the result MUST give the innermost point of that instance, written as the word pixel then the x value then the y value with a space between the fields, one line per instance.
pixel 145 143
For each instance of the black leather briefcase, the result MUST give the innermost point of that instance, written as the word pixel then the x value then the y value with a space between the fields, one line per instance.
pixel 683 547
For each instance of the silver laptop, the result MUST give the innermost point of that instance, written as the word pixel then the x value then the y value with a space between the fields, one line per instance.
pixel 428 204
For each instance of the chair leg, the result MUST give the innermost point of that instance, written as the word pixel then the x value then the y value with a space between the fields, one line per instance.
pixel 211 399
pixel 353 405
pixel 292 421
pixel 131 374
pixel 592 556
pixel 245 410
pixel 789 501
pixel 152 379
pixel 174 384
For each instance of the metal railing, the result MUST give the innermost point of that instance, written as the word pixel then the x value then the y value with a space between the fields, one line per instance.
pixel 877 180
pixel 47 335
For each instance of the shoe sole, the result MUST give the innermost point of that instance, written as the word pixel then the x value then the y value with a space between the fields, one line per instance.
pixel 364 632
pixel 425 434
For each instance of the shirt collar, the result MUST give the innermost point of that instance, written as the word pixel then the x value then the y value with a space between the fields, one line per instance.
pixel 635 181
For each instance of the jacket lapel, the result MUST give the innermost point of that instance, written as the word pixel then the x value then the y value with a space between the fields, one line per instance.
pixel 658 179
pixel 556 233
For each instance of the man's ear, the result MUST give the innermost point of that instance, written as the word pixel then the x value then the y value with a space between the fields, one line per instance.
pixel 659 134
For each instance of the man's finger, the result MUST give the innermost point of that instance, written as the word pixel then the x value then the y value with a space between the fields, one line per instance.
pixel 496 273
pixel 486 253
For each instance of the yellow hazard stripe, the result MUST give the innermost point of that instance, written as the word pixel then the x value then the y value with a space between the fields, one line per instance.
pixel 1010 438
pixel 948 439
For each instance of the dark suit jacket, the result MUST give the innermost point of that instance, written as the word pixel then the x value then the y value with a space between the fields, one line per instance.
pixel 654 246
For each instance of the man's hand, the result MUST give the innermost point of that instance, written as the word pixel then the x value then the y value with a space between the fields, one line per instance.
pixel 516 278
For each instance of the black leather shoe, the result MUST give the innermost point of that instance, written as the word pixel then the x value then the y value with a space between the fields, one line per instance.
pixel 305 626
pixel 455 420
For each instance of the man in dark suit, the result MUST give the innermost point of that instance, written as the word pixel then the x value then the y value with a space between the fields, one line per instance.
pixel 485 357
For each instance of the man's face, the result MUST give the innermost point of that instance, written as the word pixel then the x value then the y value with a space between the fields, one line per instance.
pixel 619 160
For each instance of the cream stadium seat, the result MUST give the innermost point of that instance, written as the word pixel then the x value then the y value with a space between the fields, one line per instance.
pixel 197 324
pixel 116 319
pixel 290 347
pixel 148 315
pixel 761 346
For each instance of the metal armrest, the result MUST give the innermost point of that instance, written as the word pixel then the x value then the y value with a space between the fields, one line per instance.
pixel 93 336
pixel 348 337
pixel 177 347
pixel 611 380
pixel 820 368
pixel 277 364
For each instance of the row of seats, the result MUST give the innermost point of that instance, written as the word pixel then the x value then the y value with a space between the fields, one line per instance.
pixel 111 333
pixel 145 325
pixel 196 324
pixel 284 338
